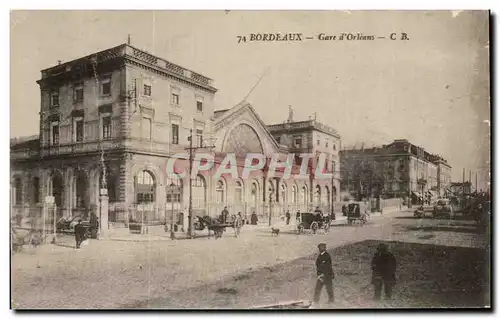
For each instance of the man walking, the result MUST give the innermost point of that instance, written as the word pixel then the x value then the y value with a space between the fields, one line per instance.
pixel 79 233
pixel 324 271
pixel 287 216
pixel 384 271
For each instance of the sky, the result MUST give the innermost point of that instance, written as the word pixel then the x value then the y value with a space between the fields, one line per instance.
pixel 432 89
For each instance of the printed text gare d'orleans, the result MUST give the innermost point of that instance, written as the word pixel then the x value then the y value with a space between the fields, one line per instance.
pixel 271 37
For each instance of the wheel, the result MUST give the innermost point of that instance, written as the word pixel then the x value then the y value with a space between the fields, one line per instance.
pixel 314 227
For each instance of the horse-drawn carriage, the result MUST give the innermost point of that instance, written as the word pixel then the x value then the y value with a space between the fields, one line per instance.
pixel 355 212
pixel 217 225
pixel 313 222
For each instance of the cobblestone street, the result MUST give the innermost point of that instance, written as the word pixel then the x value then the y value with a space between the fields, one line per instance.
pixel 109 274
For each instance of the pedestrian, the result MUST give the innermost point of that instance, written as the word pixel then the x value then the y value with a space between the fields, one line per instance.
pixel 253 218
pixel 238 223
pixel 325 275
pixel 224 214
pixel 94 225
pixel 384 271
pixel 287 215
pixel 297 216
pixel 79 233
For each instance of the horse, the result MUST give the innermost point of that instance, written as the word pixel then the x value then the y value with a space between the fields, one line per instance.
pixel 211 224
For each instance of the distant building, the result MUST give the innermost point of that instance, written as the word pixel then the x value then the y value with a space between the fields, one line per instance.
pixel 460 188
pixel 395 170
pixel 313 137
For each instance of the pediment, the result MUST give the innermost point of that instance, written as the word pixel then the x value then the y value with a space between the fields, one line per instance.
pixel 240 130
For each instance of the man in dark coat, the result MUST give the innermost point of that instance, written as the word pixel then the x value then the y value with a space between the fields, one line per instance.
pixel 224 215
pixel 79 233
pixel 94 225
pixel 253 218
pixel 287 216
pixel 384 271
pixel 324 271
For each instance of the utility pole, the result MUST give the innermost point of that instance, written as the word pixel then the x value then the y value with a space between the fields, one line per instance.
pixel 270 207
pixel 476 181
pixel 333 185
pixel 191 148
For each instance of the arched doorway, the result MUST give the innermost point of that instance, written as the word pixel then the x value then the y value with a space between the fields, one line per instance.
pixel 303 195
pixel 283 198
pixel 199 194
pixel 145 187
pixel 238 192
pixel 145 190
pixel 317 195
pixel 220 193
pixel 57 190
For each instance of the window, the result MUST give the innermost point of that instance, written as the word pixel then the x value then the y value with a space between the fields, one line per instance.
pixel 78 129
pixel 147 90
pixel 220 198
pixel 317 142
pixel 199 192
pixel 326 144
pixel 54 99
pixel 297 141
pixel 78 94
pixel 36 189
pixel 334 146
pixel 238 192
pixel 199 106
pixel 18 191
pixel 175 134
pixel 278 139
pixel 199 138
pixel 175 98
pixel 55 133
pixel 106 127
pixel 145 187
pixel 106 86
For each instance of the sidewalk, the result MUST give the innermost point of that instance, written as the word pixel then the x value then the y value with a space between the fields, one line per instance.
pixel 157 233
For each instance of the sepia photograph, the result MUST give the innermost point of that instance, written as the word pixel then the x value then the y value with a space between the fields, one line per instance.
pixel 250 159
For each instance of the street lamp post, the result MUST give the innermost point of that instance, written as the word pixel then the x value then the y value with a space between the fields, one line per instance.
pixel 172 190
pixel 270 205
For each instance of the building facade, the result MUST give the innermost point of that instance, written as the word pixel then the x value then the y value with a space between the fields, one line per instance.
pixel 315 138
pixel 114 119
pixel 394 170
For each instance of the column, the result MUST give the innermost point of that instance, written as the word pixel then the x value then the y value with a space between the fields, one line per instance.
pixel 103 213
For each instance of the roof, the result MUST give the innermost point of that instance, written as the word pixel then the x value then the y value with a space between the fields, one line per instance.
pixel 24 143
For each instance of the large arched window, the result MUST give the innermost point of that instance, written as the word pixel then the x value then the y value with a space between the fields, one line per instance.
pixel 254 194
pixel 220 192
pixel 146 187
pixel 199 192
pixel 283 197
pixel 317 195
pixel 175 194
pixel 294 194
pixel 238 192
pixel 304 194
pixel 327 195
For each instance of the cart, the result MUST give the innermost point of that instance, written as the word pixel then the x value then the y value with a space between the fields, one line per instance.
pixel 313 222
pixel 356 213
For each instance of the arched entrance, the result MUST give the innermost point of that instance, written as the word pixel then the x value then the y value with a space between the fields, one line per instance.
pixel 56 189
pixel 145 189
pixel 199 194
pixel 81 194
pixel 317 196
